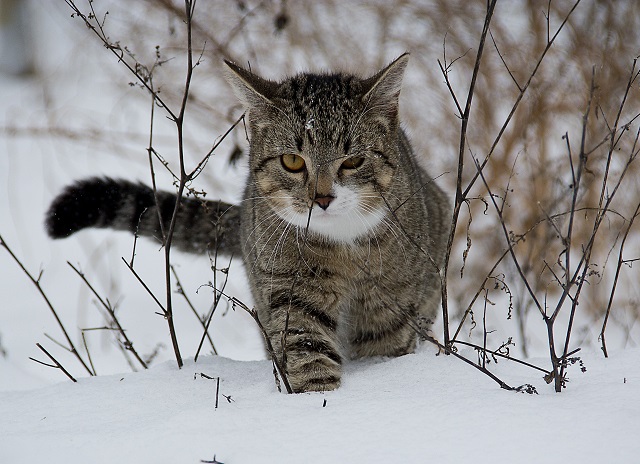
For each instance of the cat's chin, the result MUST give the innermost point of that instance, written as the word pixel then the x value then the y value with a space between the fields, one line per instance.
pixel 339 227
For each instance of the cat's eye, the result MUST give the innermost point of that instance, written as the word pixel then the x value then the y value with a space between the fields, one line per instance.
pixel 352 163
pixel 292 163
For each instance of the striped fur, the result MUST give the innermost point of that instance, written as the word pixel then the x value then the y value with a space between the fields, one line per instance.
pixel 201 226
pixel 342 245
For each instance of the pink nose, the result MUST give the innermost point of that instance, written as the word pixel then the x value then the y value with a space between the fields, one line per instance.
pixel 323 201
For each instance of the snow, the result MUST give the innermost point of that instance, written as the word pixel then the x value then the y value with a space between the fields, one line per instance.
pixel 414 409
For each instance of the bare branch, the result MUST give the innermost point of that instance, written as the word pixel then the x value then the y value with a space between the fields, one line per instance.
pixel 36 282
pixel 55 364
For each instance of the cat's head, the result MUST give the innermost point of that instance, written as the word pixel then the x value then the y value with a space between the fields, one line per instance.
pixel 324 147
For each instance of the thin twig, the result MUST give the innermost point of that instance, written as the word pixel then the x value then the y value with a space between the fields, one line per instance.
pixel 502 355
pixel 36 282
pixel 274 358
pixel 523 277
pixel 86 349
pixel 519 98
pixel 217 391
pixel 615 280
pixel 459 199
pixel 128 344
pixel 118 51
pixel 56 364
pixel 142 282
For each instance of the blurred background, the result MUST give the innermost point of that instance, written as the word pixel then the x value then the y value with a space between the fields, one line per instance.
pixel 69 109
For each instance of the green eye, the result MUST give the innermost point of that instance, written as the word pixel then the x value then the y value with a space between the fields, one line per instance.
pixel 352 163
pixel 292 163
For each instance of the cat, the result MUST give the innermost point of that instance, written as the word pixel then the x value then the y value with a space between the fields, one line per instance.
pixel 341 231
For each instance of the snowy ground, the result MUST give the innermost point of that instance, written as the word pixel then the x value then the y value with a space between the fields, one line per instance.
pixel 417 408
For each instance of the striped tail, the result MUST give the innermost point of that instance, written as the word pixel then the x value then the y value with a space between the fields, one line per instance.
pixel 201 225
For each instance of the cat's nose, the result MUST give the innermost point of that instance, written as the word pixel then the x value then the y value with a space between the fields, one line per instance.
pixel 323 201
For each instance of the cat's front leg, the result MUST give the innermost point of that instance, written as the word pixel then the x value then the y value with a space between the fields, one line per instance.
pixel 303 333
pixel 382 323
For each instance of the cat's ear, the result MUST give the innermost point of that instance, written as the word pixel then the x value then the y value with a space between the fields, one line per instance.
pixel 252 90
pixel 383 89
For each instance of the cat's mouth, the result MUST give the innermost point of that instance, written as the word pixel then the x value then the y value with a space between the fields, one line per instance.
pixel 337 224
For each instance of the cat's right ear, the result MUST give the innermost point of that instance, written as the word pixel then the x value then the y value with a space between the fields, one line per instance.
pixel 252 90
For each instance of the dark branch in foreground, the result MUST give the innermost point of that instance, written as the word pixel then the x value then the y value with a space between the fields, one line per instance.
pixel 55 365
pixel 128 344
pixel 277 366
pixel 36 282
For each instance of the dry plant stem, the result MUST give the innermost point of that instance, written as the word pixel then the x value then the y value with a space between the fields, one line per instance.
pixel 558 365
pixel 614 130
pixel 86 348
pixel 71 348
pixel 450 351
pixel 217 391
pixel 459 199
pixel 484 329
pixel 172 8
pixel 146 82
pixel 506 234
pixel 216 301
pixel 461 196
pixel 55 364
pixel 202 320
pixel 151 151
pixel 495 45
pixel 272 353
pixel 128 344
pixel 274 358
pixel 505 253
pixel 519 98
pixel 144 77
pixel 179 121
pixel 576 182
pixel 479 292
pixel 464 196
pixel 579 276
pixel 164 311
pixel 57 342
pixel 120 345
pixel 615 280
pixel 549 321
pixel 424 335
pixel 198 169
pixel 501 355
pixel 116 49
pixel 575 278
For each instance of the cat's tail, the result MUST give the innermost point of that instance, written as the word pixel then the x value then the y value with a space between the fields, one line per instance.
pixel 201 225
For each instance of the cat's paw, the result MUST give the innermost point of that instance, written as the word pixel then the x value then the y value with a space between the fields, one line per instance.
pixel 321 384
pixel 319 375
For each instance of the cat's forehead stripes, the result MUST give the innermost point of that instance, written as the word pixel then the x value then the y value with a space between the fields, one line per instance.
pixel 321 91
pixel 322 106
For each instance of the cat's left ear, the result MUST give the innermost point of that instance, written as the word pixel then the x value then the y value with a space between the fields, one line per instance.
pixel 383 89
pixel 252 90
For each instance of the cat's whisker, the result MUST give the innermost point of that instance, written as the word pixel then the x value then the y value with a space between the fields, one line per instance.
pixel 390 225
pixel 275 222
pixel 374 237
pixel 282 239
pixel 280 242
pixel 273 217
pixel 278 221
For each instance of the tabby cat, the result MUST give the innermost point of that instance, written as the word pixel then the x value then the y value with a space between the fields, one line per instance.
pixel 342 233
